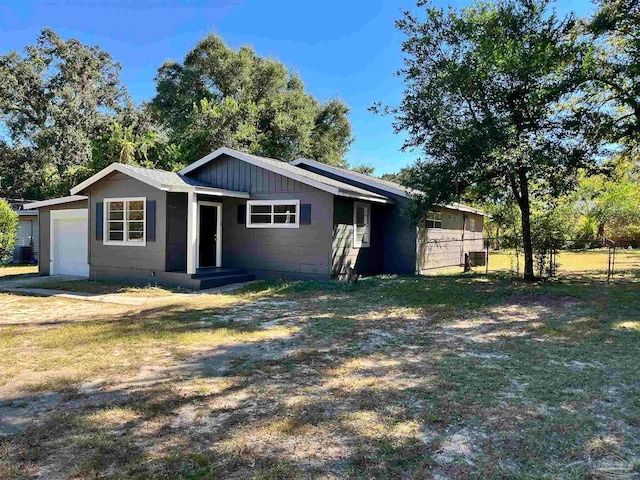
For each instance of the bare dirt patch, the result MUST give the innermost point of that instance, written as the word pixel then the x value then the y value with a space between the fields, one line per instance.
pixel 394 378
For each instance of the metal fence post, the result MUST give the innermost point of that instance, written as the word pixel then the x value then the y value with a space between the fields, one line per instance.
pixel 486 260
pixel 611 261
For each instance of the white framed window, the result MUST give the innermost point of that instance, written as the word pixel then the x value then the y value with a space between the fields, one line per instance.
pixel 361 224
pixel 273 214
pixel 125 221
pixel 434 219
pixel 472 224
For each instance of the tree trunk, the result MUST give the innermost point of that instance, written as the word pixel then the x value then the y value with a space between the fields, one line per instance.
pixel 525 210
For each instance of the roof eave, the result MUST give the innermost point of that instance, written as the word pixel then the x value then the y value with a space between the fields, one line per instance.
pixel 54 201
pixel 366 198
pixel 114 167
pixel 355 178
pixel 216 192
pixel 255 161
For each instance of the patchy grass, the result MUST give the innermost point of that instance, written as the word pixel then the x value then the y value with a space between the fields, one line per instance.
pixel 395 377
pixel 571 264
pixel 102 287
pixel 13 272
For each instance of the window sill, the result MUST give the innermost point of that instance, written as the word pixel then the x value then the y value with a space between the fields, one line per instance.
pixel 124 244
pixel 271 225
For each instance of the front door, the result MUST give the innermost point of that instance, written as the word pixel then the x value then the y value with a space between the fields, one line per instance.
pixel 208 235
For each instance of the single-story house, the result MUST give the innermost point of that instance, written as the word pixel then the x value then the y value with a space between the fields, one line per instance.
pixel 27 238
pixel 231 217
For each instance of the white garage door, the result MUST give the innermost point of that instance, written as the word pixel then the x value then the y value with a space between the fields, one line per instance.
pixel 69 238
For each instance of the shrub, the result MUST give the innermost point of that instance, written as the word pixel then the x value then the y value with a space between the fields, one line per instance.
pixel 8 230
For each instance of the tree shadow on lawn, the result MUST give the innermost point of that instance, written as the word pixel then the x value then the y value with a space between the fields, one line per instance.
pixel 362 392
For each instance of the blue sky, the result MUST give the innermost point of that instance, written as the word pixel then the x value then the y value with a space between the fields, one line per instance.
pixel 341 48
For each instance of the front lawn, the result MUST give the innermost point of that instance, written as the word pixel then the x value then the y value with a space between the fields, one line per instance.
pixel 453 377
pixel 102 287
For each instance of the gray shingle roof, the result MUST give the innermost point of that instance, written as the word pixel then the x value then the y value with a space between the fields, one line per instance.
pixel 164 177
pixel 344 187
pixel 389 184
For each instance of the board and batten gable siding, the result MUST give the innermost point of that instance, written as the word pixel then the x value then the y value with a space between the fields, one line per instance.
pixel 44 260
pixel 303 252
pixel 441 247
pixel 399 234
pixel 123 258
pixel 364 260
pixel 234 174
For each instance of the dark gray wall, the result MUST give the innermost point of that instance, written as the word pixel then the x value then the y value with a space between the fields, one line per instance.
pixel 176 251
pixel 45 232
pixel 145 260
pixel 398 232
pixel 233 174
pixel 303 252
pixel 364 260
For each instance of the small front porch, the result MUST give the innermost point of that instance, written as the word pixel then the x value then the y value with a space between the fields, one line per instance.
pixel 202 255
pixel 211 277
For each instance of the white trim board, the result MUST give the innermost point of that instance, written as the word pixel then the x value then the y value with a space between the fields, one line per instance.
pixel 273 203
pixel 105 222
pixel 133 173
pixel 54 201
pixel 253 160
pixel 374 183
pixel 366 244
pixel 218 232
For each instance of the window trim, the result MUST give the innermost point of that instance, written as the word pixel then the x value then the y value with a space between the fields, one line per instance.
pixel 366 244
pixel 273 203
pixel 433 219
pixel 125 242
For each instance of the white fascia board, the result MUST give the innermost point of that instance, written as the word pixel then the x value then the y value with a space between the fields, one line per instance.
pixel 110 169
pixel 54 201
pixel 463 208
pixel 255 161
pixel 217 192
pixel 372 183
pixel 366 198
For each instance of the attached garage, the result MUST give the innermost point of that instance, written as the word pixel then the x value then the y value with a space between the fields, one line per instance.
pixel 68 249
pixel 64 236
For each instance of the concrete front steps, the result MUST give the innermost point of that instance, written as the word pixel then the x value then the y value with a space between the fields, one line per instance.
pixel 211 277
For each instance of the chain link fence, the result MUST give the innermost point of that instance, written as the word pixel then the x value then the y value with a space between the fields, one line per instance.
pixel 605 260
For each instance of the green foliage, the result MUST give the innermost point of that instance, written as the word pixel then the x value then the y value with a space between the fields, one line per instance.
pixel 608 205
pixel 609 100
pixel 67 116
pixel 365 168
pixel 484 87
pixel 8 230
pixel 502 218
pixel 54 99
pixel 221 97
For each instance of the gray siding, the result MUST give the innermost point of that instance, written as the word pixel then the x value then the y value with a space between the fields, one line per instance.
pixel 233 174
pixel 303 252
pixel 364 260
pixel 176 251
pixel 150 258
pixel 45 232
pixel 399 235
pixel 280 252
pixel 444 247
